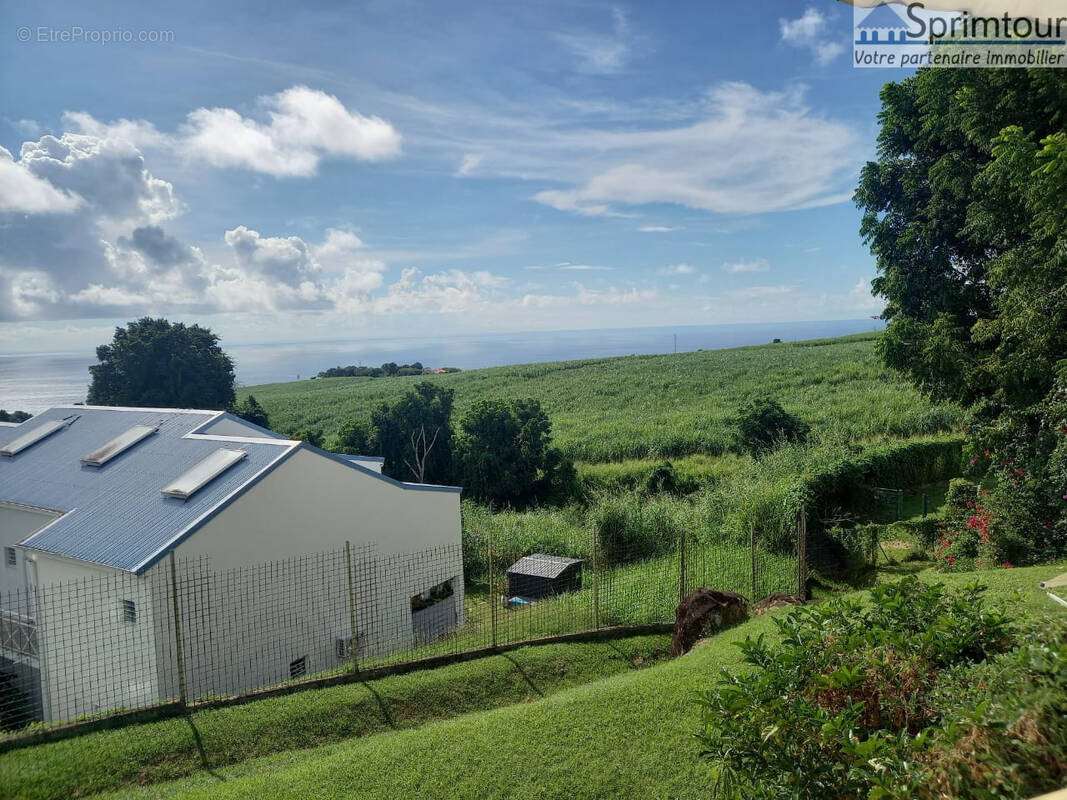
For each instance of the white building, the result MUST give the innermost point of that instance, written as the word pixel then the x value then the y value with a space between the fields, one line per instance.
pixel 93 502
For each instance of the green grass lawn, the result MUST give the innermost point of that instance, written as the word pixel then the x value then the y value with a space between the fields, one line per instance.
pixel 209 739
pixel 652 406
pixel 630 735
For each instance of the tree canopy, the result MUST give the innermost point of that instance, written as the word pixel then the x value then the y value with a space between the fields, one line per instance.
pixel 414 434
pixel 965 211
pixel 156 363
pixel 505 453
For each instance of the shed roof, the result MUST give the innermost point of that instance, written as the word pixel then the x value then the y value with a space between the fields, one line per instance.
pixel 542 566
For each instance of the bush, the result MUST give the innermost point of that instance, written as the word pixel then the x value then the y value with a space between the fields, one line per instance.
pixel 763 424
pixel 844 703
pixel 968 537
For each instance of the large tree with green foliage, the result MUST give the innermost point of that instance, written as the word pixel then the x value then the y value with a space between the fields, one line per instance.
pixel 414 434
pixel 156 363
pixel 966 213
pixel 505 454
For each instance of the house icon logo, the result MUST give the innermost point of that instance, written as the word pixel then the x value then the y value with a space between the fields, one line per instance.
pixel 884 24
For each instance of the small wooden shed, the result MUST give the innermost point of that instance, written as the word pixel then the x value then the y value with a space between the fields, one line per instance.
pixel 541 575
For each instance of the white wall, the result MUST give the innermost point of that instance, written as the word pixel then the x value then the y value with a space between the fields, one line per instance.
pixel 312 504
pixel 16 523
pixel 91 658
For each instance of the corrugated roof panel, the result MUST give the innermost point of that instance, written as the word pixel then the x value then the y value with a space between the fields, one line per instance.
pixel 542 565
pixel 117 516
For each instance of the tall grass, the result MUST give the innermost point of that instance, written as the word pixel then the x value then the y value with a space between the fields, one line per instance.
pixel 653 406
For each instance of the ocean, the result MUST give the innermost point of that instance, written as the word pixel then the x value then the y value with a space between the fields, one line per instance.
pixel 36 382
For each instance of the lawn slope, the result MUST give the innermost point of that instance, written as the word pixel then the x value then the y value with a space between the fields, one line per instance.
pixel 206 740
pixel 651 406
pixel 628 736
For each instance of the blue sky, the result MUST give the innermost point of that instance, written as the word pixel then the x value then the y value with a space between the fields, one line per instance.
pixel 285 172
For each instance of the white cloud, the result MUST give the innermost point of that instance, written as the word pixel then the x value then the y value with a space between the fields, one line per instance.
pixel 756 265
pixel 750 152
pixel 567 266
pixel 677 269
pixel 812 31
pixel 587 296
pixel 22 191
pixel 656 229
pixel 469 163
pixel 305 125
pixel 601 53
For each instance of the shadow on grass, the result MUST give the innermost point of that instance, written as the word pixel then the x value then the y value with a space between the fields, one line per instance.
pixel 522 672
pixel 387 716
pixel 204 763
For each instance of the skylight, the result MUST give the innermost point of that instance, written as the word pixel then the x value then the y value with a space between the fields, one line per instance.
pixel 32 437
pixel 194 479
pixel 120 444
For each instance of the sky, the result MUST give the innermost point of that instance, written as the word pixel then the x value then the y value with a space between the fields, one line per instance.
pixel 314 171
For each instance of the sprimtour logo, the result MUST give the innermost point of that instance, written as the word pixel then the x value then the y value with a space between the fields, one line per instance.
pixel 894 35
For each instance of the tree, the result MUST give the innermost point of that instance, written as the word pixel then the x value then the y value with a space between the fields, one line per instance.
pixel 505 454
pixel 14 416
pixel 414 435
pixel 251 411
pixel 964 212
pixel 155 363
pixel 763 424
pixel 312 436
pixel 354 438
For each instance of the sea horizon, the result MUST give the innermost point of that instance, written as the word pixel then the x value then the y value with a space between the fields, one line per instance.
pixel 35 381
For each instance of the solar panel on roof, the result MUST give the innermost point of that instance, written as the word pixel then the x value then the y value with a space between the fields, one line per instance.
pixel 120 444
pixel 192 480
pixel 32 437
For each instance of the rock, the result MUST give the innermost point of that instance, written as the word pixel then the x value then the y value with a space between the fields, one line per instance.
pixel 702 610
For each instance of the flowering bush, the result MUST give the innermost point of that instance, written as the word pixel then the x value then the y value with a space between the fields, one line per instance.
pixel 966 540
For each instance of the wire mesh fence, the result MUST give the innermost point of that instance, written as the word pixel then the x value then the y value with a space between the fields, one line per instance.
pixel 187 632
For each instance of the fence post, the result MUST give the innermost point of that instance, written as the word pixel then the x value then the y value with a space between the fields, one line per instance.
pixel 353 637
pixel 182 696
pixel 492 594
pixel 681 567
pixel 752 555
pixel 924 505
pixel 596 583
pixel 802 555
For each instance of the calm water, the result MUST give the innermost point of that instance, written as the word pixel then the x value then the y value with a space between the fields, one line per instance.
pixel 36 382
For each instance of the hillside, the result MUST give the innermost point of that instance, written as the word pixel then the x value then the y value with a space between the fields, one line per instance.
pixel 649 406
pixel 626 736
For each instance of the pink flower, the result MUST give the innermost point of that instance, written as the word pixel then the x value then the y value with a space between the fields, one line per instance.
pixel 951 561
pixel 1007 565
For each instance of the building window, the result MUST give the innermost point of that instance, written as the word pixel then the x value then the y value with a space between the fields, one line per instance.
pixel 129 610
pixel 9 556
pixel 432 596
pixel 299 667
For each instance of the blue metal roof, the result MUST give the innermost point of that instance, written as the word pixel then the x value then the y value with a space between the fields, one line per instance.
pixel 116 515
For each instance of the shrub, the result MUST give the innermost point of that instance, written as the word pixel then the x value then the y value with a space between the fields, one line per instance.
pixel 968 536
pixel 763 424
pixel 842 705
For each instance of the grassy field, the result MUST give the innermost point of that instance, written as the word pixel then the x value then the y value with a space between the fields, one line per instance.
pixel 630 736
pixel 210 739
pixel 653 406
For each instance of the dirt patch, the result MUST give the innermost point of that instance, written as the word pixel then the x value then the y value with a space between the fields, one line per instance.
pixel 702 611
pixel 773 601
